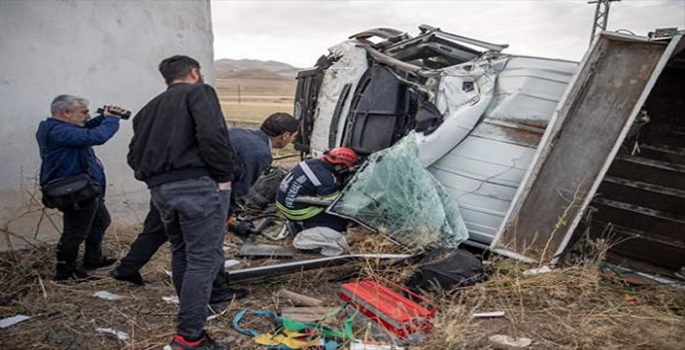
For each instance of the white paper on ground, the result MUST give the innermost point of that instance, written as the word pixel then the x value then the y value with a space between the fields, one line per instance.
pixel 541 270
pixel 171 299
pixel 511 341
pixel 489 314
pixel 358 345
pixel 9 321
pixel 107 295
pixel 230 263
pixel 119 334
pixel 168 273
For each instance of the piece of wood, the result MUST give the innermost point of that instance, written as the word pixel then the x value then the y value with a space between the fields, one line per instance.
pixel 299 298
pixel 307 314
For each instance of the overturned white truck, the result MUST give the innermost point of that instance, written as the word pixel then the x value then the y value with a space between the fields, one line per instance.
pixel 483 122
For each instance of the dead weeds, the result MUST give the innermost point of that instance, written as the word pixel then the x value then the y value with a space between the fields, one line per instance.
pixel 576 307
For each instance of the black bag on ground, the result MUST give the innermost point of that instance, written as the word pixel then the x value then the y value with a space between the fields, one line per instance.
pixel 446 269
pixel 264 190
pixel 67 192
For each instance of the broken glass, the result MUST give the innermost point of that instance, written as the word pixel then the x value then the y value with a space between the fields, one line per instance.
pixel 393 194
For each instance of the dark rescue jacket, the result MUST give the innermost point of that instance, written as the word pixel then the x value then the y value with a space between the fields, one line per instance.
pixel 311 178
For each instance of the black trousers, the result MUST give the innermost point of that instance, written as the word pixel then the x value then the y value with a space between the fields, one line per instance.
pixel 146 245
pixel 87 223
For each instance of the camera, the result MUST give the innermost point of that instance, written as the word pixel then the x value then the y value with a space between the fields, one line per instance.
pixel 125 114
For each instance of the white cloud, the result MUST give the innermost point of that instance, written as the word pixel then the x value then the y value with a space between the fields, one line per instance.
pixel 298 32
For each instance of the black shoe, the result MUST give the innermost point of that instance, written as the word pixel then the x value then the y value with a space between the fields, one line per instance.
pixel 67 273
pixel 228 294
pixel 206 343
pixel 134 278
pixel 104 262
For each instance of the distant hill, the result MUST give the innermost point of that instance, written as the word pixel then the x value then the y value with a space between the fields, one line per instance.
pixel 254 69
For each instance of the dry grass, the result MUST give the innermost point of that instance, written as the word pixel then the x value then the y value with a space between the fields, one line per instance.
pixel 576 307
pixel 571 308
pixel 258 98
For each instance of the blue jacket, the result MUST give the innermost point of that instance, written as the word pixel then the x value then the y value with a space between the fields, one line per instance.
pixel 66 149
pixel 254 152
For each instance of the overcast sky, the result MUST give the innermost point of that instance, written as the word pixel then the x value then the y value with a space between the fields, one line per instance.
pixel 298 32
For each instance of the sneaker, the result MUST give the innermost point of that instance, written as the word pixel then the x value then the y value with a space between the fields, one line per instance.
pixel 134 278
pixel 206 343
pixel 104 262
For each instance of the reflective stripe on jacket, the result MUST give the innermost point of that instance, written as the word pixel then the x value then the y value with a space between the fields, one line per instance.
pixel 311 178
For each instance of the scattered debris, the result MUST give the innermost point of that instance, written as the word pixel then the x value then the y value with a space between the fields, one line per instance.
pixel 171 299
pixel 230 263
pixel 299 298
pixel 291 334
pixel 630 299
pixel 509 341
pixel 252 250
pixel 107 295
pixel 119 334
pixel 10 321
pixel 491 314
pixel 358 345
pixel 537 271
pixel 216 311
pixel 326 240
pixel 308 314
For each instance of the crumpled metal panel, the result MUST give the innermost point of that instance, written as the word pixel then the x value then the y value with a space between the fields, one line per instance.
pixel 347 70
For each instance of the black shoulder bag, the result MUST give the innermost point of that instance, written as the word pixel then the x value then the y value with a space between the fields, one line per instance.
pixel 66 193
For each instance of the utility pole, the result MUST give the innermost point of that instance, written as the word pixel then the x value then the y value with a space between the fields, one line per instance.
pixel 601 16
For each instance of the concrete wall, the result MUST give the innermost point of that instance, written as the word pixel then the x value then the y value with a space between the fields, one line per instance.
pixel 105 51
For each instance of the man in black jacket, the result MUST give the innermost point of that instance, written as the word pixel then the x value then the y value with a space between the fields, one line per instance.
pixel 253 151
pixel 180 149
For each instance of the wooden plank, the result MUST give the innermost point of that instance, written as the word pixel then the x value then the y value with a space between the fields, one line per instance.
pixel 307 314
pixel 614 80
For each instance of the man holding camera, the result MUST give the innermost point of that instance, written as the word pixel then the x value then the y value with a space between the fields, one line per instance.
pixel 66 143
pixel 180 148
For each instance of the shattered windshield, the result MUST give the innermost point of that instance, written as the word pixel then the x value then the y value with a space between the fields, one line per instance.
pixel 395 195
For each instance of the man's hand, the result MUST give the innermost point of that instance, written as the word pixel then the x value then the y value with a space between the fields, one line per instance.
pixel 224 186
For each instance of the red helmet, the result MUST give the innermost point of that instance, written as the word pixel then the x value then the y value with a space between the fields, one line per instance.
pixel 341 155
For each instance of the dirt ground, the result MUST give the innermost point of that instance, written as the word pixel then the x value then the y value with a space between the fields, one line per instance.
pixel 577 307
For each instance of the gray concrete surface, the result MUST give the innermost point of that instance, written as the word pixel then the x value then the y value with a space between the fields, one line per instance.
pixel 105 51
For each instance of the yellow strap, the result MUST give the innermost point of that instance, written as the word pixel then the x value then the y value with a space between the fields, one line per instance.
pixel 269 339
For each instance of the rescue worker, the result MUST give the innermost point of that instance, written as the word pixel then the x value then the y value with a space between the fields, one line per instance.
pixel 314 178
